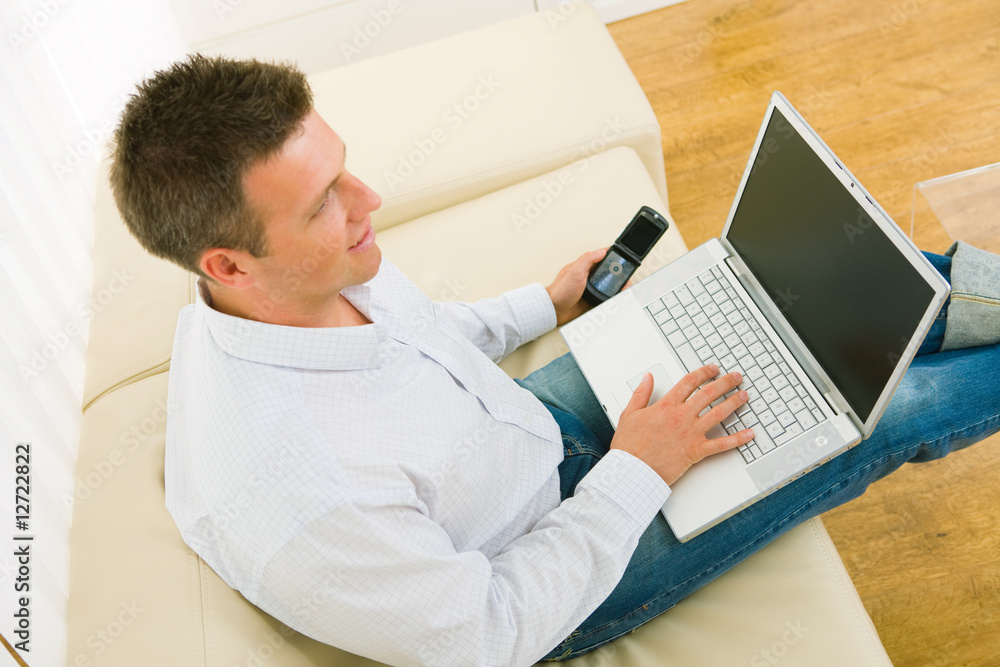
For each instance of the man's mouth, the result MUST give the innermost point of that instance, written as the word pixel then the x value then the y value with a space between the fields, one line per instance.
pixel 364 242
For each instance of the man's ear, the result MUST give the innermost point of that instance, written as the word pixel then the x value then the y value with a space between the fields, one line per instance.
pixel 228 267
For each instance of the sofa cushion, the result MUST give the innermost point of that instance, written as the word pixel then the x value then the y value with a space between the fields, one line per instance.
pixel 525 97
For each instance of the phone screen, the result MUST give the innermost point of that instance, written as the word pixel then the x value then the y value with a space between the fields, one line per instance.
pixel 640 236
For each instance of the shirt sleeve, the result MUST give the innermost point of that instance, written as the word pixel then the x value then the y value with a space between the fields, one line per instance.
pixel 386 583
pixel 498 326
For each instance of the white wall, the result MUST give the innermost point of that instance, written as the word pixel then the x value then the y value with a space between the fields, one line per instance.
pixel 65 68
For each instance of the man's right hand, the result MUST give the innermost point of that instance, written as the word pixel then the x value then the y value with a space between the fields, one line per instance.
pixel 669 435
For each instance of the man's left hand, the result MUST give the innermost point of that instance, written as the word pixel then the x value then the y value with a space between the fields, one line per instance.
pixel 566 291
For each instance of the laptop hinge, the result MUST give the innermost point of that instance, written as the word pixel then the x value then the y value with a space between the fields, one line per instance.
pixel 835 403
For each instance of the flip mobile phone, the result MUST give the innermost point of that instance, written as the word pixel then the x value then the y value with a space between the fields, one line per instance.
pixel 625 256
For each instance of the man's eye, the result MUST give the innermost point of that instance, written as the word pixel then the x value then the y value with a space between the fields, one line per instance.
pixel 322 207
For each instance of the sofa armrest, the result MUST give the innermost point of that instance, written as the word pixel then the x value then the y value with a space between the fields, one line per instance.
pixel 427 128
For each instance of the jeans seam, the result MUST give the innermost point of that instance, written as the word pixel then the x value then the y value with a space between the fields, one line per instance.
pixel 975 298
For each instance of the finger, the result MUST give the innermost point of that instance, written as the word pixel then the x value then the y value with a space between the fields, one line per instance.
pixel 593 257
pixel 713 391
pixel 723 409
pixel 686 386
pixel 640 397
pixel 716 445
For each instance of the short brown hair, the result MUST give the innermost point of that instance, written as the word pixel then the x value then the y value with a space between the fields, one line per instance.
pixel 185 141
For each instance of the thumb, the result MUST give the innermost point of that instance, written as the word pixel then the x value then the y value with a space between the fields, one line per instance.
pixel 641 395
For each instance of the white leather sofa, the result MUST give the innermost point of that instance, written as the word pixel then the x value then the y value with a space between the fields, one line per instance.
pixel 501 155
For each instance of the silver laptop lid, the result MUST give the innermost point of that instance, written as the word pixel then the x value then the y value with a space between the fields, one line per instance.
pixel 847 290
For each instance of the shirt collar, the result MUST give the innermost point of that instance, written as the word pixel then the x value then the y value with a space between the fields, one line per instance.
pixel 315 348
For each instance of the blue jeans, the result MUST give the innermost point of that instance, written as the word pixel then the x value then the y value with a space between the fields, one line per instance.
pixel 946 401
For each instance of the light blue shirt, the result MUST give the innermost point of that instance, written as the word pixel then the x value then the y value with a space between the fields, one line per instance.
pixel 386 488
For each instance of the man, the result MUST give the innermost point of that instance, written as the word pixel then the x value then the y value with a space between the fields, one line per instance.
pixel 347 455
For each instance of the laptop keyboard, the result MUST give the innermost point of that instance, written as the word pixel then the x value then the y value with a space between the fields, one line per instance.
pixel 706 322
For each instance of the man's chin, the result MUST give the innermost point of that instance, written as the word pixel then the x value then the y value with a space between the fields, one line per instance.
pixel 373 260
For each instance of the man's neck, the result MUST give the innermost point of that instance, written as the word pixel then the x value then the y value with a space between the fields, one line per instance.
pixel 262 308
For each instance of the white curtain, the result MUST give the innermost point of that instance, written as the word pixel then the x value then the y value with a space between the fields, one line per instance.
pixel 66 68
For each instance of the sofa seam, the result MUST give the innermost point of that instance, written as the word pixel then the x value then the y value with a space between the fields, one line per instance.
pixel 145 365
pixel 205 613
pixel 198 609
pixel 478 176
pixel 123 383
pixel 840 573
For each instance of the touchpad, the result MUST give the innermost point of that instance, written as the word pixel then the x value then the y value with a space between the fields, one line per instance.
pixel 661 382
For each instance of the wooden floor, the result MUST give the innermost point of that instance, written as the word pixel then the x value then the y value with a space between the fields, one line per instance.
pixel 902 91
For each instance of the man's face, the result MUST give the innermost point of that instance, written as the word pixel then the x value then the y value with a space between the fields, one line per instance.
pixel 316 219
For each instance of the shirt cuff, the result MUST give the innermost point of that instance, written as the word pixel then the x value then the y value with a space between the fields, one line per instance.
pixel 630 483
pixel 533 309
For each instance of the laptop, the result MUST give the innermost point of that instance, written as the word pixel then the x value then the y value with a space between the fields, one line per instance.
pixel 812 293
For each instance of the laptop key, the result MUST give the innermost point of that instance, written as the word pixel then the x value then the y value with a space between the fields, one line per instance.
pixel 805 419
pixel 763 440
pixel 688 356
pixel 676 339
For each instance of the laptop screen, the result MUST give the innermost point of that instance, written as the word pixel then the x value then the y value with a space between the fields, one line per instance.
pixel 838 279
